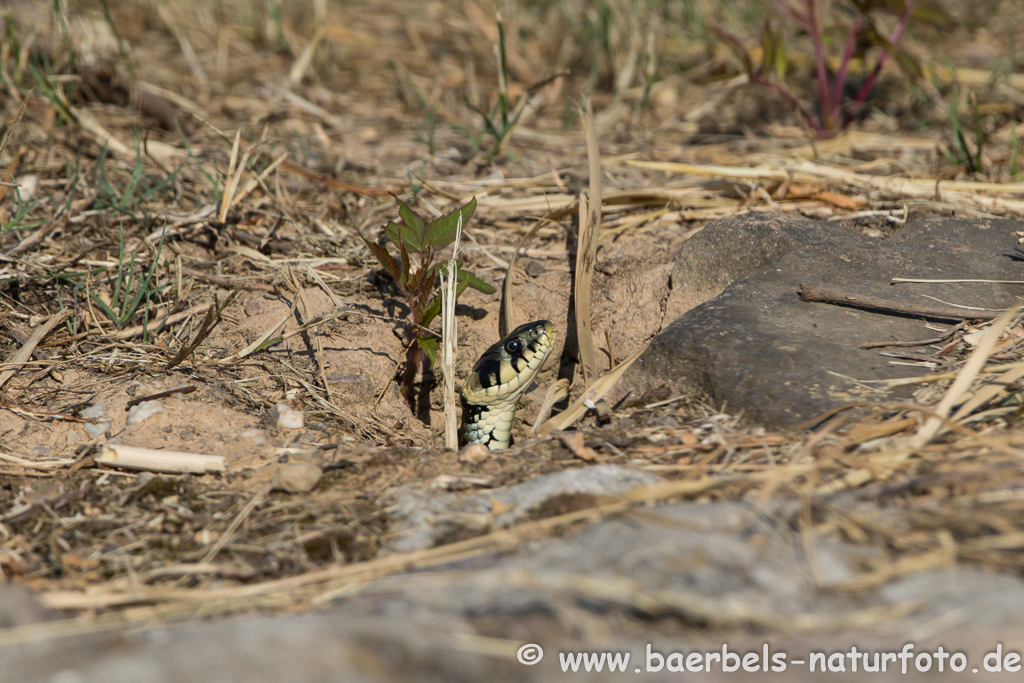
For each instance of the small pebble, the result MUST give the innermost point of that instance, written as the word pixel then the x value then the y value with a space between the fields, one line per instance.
pixel 141 412
pixel 103 423
pixel 474 454
pixel 296 477
pixel 287 417
pixel 257 437
pixel 535 268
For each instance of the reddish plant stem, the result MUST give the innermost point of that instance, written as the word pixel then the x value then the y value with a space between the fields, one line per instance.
pixel 882 59
pixel 817 32
pixel 413 359
pixel 844 65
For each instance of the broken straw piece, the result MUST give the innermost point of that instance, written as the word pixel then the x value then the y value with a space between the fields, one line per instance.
pixel 135 458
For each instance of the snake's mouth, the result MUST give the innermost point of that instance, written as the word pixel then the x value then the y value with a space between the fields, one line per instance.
pixel 492 389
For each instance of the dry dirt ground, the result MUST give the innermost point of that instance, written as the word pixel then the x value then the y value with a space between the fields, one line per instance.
pixel 368 99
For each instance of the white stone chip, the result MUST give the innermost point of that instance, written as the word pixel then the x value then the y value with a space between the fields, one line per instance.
pixel 141 412
pixel 287 417
pixel 103 423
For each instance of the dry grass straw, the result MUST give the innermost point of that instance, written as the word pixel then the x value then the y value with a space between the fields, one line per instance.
pixel 505 322
pixel 450 341
pixel 25 352
pixel 152 460
pixel 586 248
pixel 596 390
pixel 971 193
pixel 966 376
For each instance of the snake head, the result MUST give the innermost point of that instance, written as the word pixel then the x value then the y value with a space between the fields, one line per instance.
pixel 492 389
pixel 508 366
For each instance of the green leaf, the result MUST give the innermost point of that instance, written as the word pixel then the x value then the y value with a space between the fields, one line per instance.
pixel 433 310
pixel 476 283
pixel 105 308
pixel 909 63
pixel 409 230
pixel 773 57
pixel 931 12
pixel 400 233
pixel 441 232
pixel 385 259
pixel 465 278
pixel 719 73
pixel 877 39
pixel 430 348
pixel 410 217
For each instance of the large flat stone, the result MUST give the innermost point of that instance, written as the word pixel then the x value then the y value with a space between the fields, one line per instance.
pixel 688 578
pixel 756 349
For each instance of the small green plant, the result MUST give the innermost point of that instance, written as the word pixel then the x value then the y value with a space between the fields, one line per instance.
pixel 504 115
pixel 833 111
pixel 959 151
pixel 130 292
pixel 21 210
pixel 412 235
pixel 139 187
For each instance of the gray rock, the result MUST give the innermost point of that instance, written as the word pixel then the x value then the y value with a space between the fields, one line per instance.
pixel 727 553
pixel 727 564
pixel 310 648
pixel 760 351
pixel 19 607
pixel 423 517
pixel 981 598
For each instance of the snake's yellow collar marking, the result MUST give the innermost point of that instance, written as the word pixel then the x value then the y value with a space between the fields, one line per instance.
pixel 492 390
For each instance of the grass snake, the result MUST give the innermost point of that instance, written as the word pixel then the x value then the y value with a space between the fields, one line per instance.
pixel 492 389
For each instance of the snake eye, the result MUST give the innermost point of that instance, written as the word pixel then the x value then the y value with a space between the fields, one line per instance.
pixel 514 347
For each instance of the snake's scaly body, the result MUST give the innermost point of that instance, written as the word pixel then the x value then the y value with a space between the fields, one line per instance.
pixel 492 390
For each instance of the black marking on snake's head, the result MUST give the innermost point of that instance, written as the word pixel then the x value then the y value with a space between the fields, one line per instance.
pixel 471 413
pixel 514 342
pixel 489 371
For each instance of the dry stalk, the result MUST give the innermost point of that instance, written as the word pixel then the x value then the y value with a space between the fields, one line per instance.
pixel 586 248
pixel 25 352
pixel 450 342
pixel 230 180
pixel 888 186
pixel 235 523
pixel 965 377
pixel 135 458
pixel 167 320
pixel 505 324
pixel 601 386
